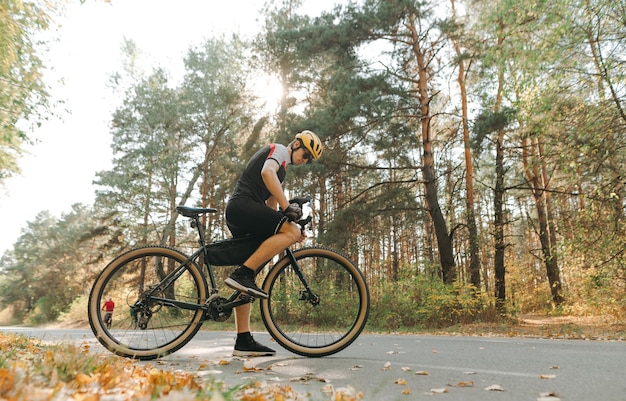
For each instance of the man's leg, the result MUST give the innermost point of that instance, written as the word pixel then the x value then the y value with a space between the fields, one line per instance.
pixel 245 345
pixel 288 235
pixel 242 279
pixel 242 318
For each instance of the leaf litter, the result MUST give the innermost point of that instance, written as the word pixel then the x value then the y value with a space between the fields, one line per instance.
pixel 38 372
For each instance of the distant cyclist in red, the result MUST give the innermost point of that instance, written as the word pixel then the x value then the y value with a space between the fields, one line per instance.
pixel 108 308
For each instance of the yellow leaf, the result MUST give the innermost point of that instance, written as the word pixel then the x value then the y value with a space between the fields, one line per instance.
pixel 401 382
pixel 547 376
pixel 6 381
pixel 406 391
pixel 86 397
pixel 82 379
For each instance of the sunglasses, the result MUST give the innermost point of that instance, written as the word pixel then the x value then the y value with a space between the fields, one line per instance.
pixel 307 156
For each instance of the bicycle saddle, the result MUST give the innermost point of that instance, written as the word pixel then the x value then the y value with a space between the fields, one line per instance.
pixel 194 211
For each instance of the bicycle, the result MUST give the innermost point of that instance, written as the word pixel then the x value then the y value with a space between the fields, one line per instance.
pixel 318 299
pixel 108 319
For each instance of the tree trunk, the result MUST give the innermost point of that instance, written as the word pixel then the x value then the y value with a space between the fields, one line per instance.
pixel 498 222
pixel 547 235
pixel 474 266
pixel 444 242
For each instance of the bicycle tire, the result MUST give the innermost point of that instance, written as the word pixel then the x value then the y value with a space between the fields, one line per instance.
pixel 169 328
pixel 315 330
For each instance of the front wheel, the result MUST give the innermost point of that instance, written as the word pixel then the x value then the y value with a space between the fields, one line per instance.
pixel 154 317
pixel 324 320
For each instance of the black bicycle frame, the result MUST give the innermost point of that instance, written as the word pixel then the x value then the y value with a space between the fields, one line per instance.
pixel 235 299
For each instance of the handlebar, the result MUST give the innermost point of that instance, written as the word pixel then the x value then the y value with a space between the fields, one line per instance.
pixel 301 201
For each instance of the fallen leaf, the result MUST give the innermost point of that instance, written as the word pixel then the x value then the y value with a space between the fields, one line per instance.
pixel 307 378
pixel 387 366
pixel 401 382
pixel 356 367
pixel 439 390
pixel 554 367
pixel 406 369
pixel 6 381
pixel 421 373
pixel 465 384
pixel 252 369
pixel 547 376
pixel 494 387
pixel 406 391
pixel 435 351
pixel 551 396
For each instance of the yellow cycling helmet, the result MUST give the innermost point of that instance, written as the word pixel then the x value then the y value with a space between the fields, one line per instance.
pixel 311 142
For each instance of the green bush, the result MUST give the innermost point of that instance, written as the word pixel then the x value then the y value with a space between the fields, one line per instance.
pixel 424 302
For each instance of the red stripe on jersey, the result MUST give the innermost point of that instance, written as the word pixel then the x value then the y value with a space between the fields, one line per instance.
pixel 272 150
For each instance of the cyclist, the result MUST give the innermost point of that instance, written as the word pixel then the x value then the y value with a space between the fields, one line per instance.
pixel 108 308
pixel 252 209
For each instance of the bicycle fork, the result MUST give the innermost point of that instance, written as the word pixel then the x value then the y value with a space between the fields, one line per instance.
pixel 307 294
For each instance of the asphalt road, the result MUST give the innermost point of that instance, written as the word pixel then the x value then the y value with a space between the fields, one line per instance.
pixel 411 367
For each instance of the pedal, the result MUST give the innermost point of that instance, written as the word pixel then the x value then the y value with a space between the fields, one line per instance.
pixel 246 298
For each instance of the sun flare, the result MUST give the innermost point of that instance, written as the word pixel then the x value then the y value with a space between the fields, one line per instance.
pixel 268 91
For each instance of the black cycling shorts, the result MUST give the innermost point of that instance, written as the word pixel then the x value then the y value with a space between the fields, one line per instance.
pixel 245 216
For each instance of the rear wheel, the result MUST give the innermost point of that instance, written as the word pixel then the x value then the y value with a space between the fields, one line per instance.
pixel 327 319
pixel 148 326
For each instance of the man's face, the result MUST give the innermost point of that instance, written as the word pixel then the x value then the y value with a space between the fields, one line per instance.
pixel 301 156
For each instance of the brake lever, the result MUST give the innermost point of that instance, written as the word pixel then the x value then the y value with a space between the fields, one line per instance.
pixel 304 222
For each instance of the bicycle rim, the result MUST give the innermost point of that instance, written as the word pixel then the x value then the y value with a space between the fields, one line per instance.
pixel 331 325
pixel 157 328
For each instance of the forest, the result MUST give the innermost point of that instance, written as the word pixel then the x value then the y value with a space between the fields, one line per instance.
pixel 474 164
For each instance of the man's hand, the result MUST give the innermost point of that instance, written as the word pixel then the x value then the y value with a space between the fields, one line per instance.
pixel 293 212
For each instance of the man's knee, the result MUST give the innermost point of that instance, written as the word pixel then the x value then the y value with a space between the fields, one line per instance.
pixel 292 230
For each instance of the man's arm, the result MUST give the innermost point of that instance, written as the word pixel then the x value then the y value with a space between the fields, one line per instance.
pixel 272 183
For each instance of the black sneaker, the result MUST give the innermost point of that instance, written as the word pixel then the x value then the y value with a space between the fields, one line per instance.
pixel 247 346
pixel 242 280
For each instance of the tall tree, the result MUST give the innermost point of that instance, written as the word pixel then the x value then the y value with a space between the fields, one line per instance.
pixel 23 93
pixel 147 146
pixel 414 31
pixel 456 31
pixel 219 119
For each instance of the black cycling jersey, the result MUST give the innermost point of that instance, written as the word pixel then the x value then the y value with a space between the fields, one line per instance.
pixel 246 211
pixel 250 183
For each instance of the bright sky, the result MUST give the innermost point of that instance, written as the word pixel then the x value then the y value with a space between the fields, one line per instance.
pixel 60 168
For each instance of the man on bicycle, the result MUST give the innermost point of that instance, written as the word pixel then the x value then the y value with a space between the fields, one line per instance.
pixel 108 308
pixel 253 209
